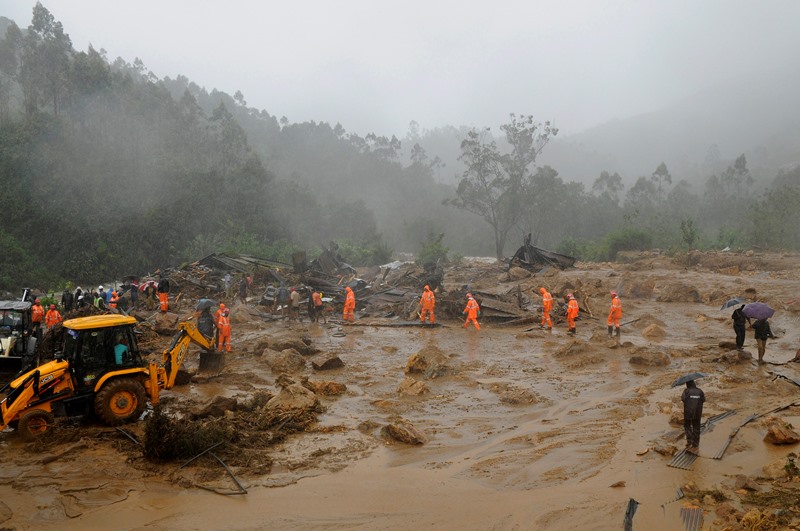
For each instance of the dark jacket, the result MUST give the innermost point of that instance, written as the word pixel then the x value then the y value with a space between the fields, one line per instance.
pixel 205 323
pixel 163 286
pixel 739 318
pixel 763 331
pixel 693 399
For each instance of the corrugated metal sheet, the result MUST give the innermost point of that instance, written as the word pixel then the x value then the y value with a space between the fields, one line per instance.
pixel 683 460
pixel 692 518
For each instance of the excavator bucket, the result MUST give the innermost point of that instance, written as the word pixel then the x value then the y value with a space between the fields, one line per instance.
pixel 212 361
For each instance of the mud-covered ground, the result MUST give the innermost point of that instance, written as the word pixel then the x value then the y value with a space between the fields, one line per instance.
pixel 524 430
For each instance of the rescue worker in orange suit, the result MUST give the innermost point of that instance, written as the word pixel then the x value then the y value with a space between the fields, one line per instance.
pixel 114 300
pixel 572 313
pixel 52 318
pixel 37 319
pixel 163 293
pixel 224 330
pixel 614 314
pixel 218 314
pixel 547 307
pixel 428 301
pixel 473 311
pixel 349 313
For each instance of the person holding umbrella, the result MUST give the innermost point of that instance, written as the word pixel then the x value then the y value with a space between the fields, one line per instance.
pixel 762 333
pixel 693 399
pixel 740 322
pixel 760 312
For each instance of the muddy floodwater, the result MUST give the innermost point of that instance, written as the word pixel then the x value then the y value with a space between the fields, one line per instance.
pixel 524 429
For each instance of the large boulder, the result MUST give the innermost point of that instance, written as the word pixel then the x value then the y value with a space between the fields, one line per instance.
pixel 427 361
pixel 287 361
pixel 405 432
pixel 216 408
pixel 166 323
pixel 654 333
pixel 292 396
pixel 303 346
pixel 779 431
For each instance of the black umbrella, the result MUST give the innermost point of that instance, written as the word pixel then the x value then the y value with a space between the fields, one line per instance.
pixel 688 378
pixel 758 310
pixel 733 302
pixel 205 303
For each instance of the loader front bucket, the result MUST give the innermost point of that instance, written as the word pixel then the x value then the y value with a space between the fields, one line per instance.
pixel 212 361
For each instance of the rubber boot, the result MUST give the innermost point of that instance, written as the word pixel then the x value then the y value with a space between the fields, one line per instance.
pixel 617 332
pixel 571 332
pixel 610 329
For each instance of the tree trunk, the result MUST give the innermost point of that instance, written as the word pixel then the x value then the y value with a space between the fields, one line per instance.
pixel 499 243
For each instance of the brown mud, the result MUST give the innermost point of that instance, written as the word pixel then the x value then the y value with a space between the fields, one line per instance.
pixel 524 430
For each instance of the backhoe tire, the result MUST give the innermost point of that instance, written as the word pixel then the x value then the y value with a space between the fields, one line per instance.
pixel 120 401
pixel 34 423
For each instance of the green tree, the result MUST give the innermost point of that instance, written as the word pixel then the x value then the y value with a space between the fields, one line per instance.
pixel 45 69
pixel 493 185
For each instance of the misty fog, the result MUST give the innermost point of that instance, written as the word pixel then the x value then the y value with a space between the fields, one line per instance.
pixel 677 127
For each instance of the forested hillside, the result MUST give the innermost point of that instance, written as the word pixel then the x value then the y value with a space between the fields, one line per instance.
pixel 107 170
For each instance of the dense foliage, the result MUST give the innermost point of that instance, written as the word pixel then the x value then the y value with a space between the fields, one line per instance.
pixel 106 170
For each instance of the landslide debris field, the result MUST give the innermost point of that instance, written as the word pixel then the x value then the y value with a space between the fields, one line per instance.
pixel 375 425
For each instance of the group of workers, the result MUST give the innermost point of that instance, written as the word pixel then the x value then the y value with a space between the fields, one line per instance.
pixel 40 317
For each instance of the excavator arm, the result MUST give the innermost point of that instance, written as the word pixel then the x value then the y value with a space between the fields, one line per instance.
pixel 163 377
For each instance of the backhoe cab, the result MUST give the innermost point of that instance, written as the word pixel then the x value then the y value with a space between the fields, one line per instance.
pixel 100 370
pixel 17 343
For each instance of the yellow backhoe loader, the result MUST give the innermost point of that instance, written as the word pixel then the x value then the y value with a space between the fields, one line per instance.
pixel 100 370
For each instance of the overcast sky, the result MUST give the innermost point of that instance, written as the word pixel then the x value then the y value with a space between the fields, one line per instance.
pixel 374 66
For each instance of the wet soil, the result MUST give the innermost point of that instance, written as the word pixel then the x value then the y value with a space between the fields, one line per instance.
pixel 525 429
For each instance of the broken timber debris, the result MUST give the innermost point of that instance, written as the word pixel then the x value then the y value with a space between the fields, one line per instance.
pixel 530 257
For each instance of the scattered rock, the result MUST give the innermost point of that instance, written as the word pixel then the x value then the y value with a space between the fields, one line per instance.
pixel 727 345
pixel 517 396
pixel 287 361
pixel 297 344
pixel 241 314
pixel 412 387
pixel 775 469
pixel 391 349
pixel 518 273
pixel 329 364
pixel 324 387
pixel 216 408
pixel 405 432
pixel 654 333
pixel 166 323
pixel 779 431
pixel 667 450
pixel 292 396
pixel 744 482
pixel 427 357
pixel 617 485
